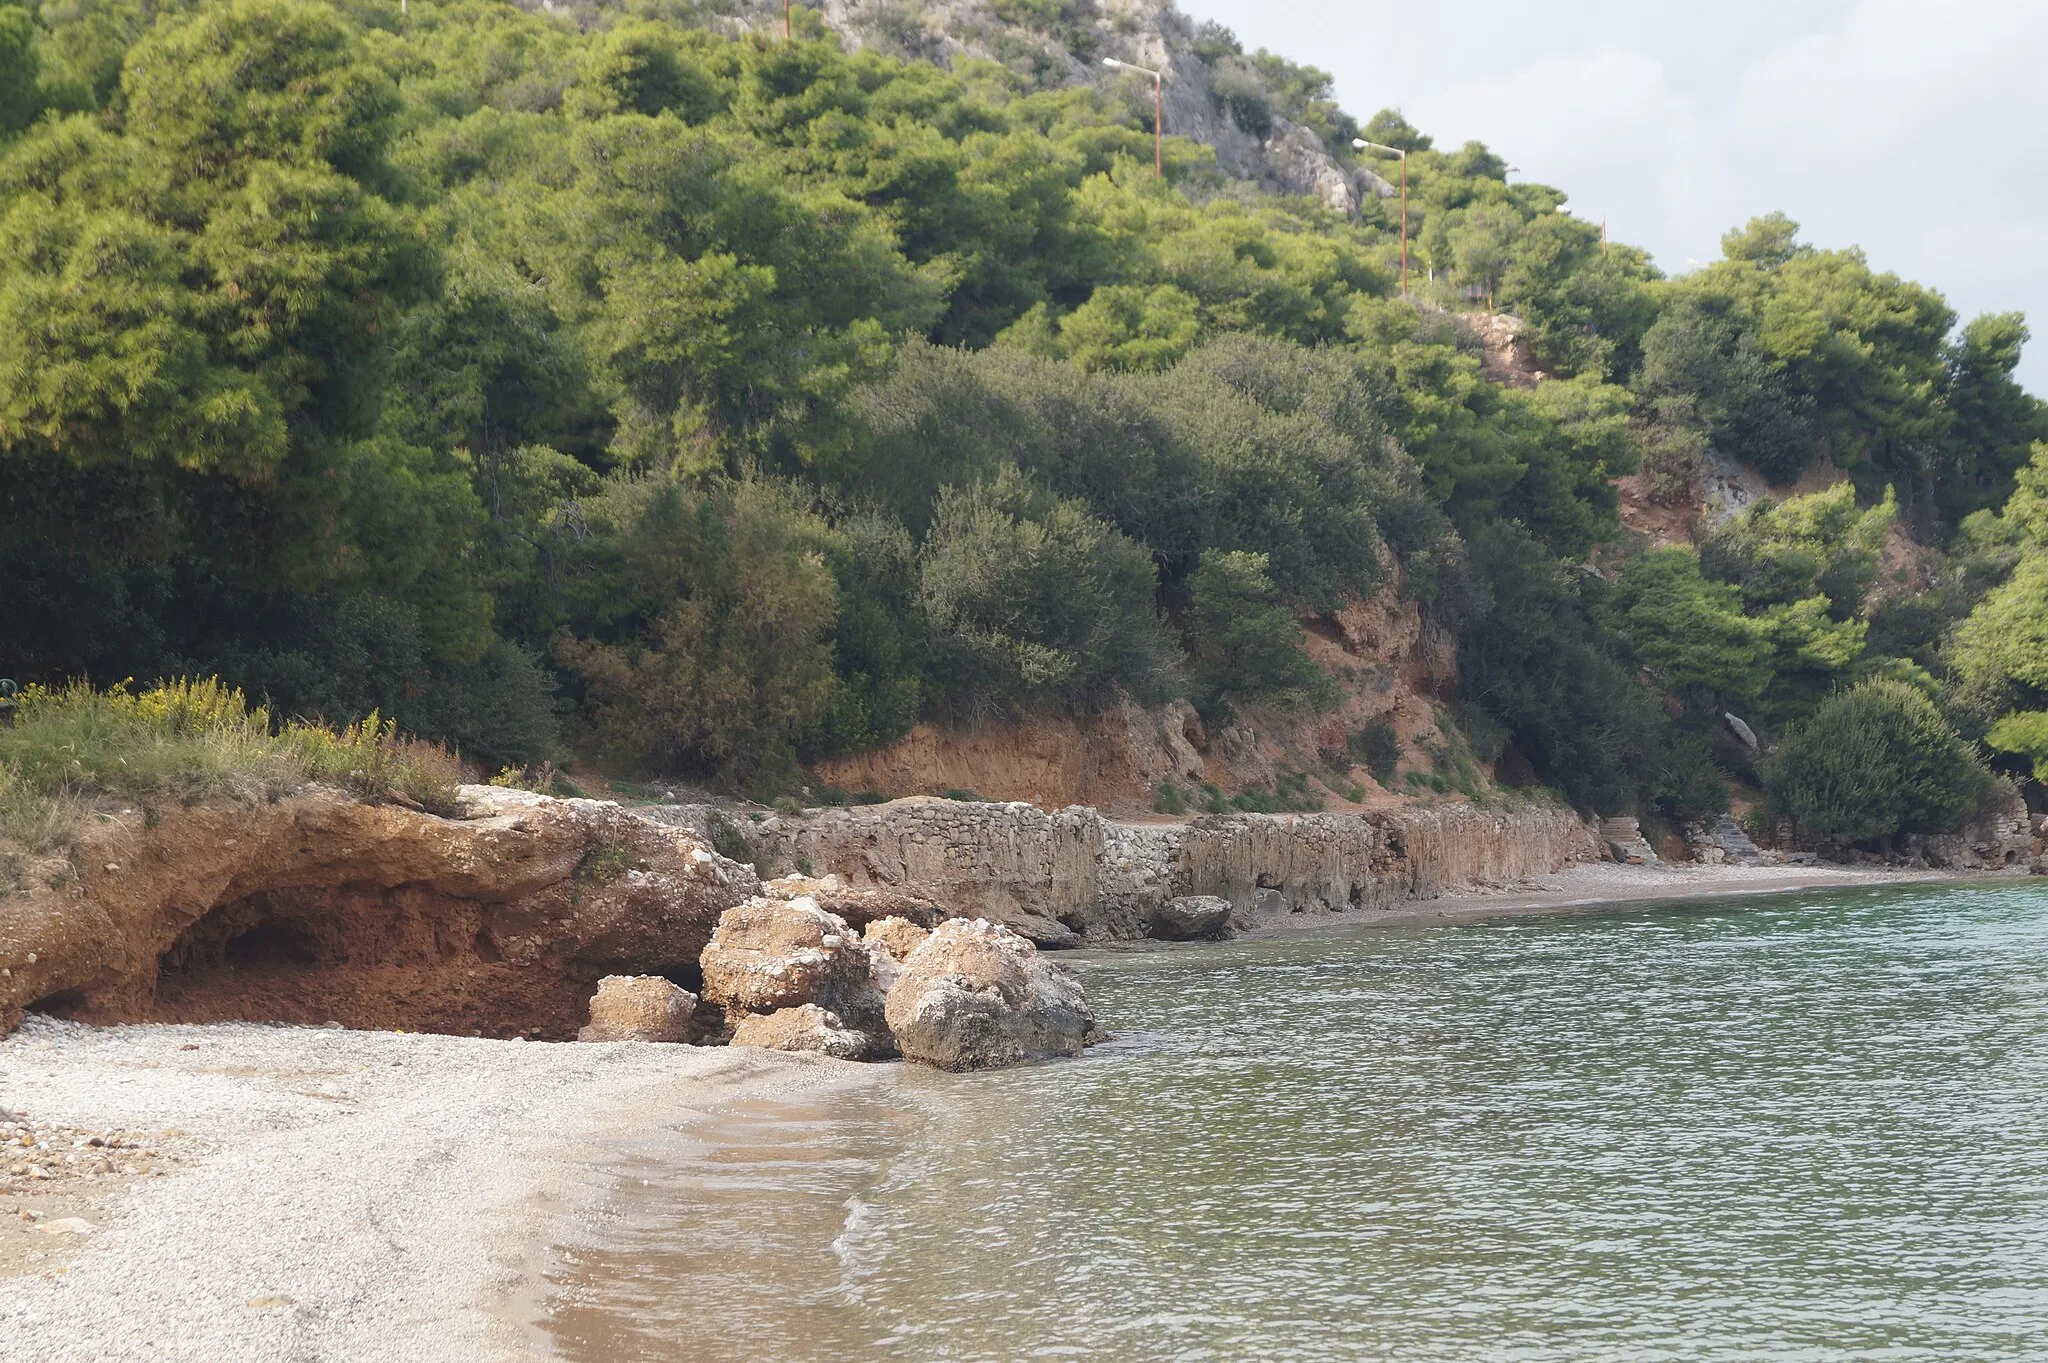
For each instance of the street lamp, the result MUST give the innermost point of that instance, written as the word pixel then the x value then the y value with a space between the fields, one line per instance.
pixel 1158 109
pixel 1361 144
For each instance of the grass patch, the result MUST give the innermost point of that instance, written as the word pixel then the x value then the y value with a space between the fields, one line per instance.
pixel 75 749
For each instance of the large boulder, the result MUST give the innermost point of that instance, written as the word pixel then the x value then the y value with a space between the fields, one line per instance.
pixel 977 996
pixel 1190 917
pixel 897 936
pixel 769 954
pixel 808 1027
pixel 639 1008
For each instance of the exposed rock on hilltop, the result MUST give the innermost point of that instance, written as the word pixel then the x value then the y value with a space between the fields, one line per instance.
pixel 1212 95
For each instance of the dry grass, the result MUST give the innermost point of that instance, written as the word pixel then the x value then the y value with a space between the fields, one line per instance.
pixel 77 749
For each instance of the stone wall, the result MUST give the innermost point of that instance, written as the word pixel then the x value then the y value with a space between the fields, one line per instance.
pixel 1074 875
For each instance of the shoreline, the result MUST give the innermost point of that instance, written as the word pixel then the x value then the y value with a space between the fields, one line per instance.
pixel 342 1194
pixel 328 1193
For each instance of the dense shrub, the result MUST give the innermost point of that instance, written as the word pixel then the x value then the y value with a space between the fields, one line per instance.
pixel 1033 601
pixel 735 663
pixel 1243 643
pixel 1872 762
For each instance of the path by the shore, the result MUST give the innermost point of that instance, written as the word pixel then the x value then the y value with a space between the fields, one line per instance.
pixel 323 1193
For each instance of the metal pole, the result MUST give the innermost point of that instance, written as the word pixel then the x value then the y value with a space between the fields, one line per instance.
pixel 1158 126
pixel 1404 224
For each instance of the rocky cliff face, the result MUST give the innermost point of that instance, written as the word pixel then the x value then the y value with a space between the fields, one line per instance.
pixel 1075 876
pixel 319 908
pixel 502 921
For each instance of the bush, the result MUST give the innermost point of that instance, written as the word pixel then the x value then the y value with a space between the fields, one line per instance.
pixel 1873 762
pixel 1244 644
pixel 1034 602
pixel 736 665
pixel 1378 745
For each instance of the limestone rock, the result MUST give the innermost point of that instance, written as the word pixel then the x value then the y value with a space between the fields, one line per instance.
pixel 858 905
pixel 639 1008
pixel 977 996
pixel 897 936
pixel 770 954
pixel 1189 917
pixel 1060 877
pixel 1624 841
pixel 807 1027
pixel 499 921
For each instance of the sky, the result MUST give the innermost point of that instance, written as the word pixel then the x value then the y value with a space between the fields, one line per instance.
pixel 1915 129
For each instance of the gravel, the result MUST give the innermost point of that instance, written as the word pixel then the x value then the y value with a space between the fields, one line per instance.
pixel 317 1193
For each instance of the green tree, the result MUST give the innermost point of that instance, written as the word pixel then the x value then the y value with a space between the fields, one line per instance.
pixel 1035 603
pixel 1244 644
pixel 1873 762
pixel 735 665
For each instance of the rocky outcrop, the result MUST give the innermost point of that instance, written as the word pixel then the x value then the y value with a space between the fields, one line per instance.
pixel 772 954
pixel 319 907
pixel 806 1027
pixel 639 1008
pixel 1076 876
pixel 1067 49
pixel 1190 917
pixel 976 996
pixel 1012 863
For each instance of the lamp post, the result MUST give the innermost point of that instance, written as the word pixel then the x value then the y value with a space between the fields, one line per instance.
pixel 1361 144
pixel 1158 110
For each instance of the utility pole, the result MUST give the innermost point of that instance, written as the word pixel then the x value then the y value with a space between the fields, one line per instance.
pixel 1361 144
pixel 1158 111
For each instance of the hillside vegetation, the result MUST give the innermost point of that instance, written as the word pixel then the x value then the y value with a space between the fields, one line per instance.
pixel 711 404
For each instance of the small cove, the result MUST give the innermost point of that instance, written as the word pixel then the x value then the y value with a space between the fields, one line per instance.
pixel 1813 1126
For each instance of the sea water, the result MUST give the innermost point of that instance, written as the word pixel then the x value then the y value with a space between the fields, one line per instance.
pixel 1813 1126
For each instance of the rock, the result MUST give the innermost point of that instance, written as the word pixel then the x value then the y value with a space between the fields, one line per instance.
pixel 808 1027
pixel 320 907
pixel 66 1225
pixel 977 996
pixel 771 954
pixel 1624 841
pixel 1191 916
pixel 1268 902
pixel 1721 841
pixel 639 1008
pixel 897 936
pixel 859 906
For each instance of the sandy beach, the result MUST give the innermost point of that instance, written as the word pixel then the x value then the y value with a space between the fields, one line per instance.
pixel 263 1192
pixel 321 1193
